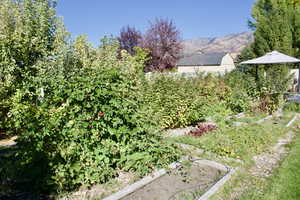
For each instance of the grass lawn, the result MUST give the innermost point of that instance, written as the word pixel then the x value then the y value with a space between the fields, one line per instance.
pixel 284 184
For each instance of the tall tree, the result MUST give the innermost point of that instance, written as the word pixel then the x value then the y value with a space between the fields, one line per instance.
pixel 274 29
pixel 29 31
pixel 129 38
pixel 296 26
pixel 163 41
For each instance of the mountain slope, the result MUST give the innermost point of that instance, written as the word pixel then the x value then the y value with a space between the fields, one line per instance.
pixel 233 43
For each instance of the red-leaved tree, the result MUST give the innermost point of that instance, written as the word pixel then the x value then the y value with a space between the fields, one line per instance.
pixel 129 38
pixel 163 41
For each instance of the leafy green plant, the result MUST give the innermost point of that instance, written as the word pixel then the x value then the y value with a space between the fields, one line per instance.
pixel 30 31
pixel 177 101
pixel 244 91
pixel 80 125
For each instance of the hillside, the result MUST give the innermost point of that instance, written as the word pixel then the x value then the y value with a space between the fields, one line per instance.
pixel 233 43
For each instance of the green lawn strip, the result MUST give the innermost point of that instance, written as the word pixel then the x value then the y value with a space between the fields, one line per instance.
pixel 242 181
pixel 284 184
pixel 247 186
pixel 240 142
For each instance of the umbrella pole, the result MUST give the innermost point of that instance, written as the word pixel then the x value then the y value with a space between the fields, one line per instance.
pixel 257 72
pixel 299 79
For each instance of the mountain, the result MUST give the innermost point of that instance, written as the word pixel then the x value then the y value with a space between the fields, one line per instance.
pixel 233 43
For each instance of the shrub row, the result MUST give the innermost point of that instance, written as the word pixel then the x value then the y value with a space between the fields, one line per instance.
pixel 178 101
pixel 81 124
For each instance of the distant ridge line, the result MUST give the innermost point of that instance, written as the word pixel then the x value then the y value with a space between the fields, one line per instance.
pixel 232 43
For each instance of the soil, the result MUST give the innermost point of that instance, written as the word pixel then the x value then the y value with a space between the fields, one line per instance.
pixel 102 190
pixel 185 182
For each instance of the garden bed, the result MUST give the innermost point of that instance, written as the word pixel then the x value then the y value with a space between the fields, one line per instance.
pixel 188 180
pixel 227 139
pixel 241 119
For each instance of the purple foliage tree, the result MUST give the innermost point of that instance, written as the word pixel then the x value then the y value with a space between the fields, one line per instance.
pixel 163 41
pixel 129 38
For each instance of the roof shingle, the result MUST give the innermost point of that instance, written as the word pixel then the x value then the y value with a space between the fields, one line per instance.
pixel 201 59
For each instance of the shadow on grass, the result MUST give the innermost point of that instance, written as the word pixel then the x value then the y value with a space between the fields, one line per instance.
pixel 22 181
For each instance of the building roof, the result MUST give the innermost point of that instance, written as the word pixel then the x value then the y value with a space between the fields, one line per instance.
pixel 201 59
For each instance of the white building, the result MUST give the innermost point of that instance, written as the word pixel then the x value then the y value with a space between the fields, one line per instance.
pixel 207 63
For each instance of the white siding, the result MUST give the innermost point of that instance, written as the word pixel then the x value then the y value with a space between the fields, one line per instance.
pixel 227 61
pixel 207 69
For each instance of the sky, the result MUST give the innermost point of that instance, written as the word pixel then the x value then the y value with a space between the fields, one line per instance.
pixel 194 18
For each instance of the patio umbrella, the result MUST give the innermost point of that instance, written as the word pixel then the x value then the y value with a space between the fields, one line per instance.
pixel 274 57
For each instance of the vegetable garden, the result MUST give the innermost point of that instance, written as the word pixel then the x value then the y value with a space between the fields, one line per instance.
pixel 83 114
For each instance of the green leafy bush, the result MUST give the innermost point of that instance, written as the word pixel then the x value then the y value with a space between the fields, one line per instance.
pixel 29 31
pixel 177 101
pixel 244 92
pixel 81 125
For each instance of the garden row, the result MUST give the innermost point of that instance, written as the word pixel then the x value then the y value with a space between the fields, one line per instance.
pixel 269 165
pixel 81 125
pixel 241 140
pixel 83 114
pixel 235 143
pixel 90 123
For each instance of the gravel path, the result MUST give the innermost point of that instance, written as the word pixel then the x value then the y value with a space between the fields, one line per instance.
pixel 265 163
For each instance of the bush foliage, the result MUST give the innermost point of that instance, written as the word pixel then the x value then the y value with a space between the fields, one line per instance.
pixel 292 107
pixel 82 113
pixel 80 125
pixel 177 101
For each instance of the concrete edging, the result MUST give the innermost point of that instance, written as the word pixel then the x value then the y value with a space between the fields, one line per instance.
pixel 221 182
pixel 144 181
pixel 264 119
pixel 230 171
pixel 157 174
pixel 131 188
pixel 292 121
pixel 217 186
